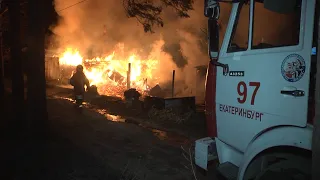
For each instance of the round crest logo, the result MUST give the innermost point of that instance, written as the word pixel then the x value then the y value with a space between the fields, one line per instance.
pixel 293 68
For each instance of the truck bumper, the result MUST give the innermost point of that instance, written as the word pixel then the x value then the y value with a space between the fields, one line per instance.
pixel 205 151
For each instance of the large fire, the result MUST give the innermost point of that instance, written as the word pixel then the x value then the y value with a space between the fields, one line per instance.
pixel 109 73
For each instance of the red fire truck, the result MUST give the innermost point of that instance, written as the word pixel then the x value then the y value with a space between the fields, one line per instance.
pixel 260 88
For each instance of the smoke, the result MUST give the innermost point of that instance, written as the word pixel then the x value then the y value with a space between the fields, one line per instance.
pixel 190 37
pixel 96 26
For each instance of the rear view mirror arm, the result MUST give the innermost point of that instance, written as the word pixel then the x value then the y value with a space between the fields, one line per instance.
pixel 225 67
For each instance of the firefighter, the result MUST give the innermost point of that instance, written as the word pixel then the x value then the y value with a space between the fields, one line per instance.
pixel 78 81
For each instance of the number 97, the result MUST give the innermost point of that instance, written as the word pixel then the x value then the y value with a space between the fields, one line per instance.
pixel 243 91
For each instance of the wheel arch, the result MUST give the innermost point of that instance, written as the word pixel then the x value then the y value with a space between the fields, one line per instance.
pixel 283 139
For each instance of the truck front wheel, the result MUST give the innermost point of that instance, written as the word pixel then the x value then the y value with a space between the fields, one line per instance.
pixel 287 167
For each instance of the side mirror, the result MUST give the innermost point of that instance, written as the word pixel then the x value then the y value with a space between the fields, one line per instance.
pixel 213 38
pixel 208 12
pixel 211 9
pixel 280 6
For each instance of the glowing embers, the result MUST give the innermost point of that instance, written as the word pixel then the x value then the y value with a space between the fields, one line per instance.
pixel 109 73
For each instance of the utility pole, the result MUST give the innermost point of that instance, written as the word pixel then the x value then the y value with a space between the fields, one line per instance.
pixel 316 128
pixel 1 61
pixel 129 76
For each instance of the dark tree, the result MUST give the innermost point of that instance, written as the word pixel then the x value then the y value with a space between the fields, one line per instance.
pixel 1 60
pixel 36 96
pixel 1 77
pixel 16 64
pixel 4 26
pixel 149 14
pixel 1 63
pixel 14 133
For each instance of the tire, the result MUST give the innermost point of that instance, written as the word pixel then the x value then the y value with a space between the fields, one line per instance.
pixel 294 168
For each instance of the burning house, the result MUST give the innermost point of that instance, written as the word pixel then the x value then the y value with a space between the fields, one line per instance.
pixel 109 72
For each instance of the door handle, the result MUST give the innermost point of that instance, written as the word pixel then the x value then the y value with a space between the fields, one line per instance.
pixel 295 93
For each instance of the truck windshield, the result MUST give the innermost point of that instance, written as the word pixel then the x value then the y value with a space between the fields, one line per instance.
pixel 270 29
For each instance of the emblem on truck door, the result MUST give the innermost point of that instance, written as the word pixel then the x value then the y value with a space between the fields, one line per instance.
pixel 293 68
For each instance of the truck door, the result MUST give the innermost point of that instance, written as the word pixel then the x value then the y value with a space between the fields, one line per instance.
pixel 268 55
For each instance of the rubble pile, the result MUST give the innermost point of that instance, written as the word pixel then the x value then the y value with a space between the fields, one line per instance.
pixel 156 91
pixel 93 90
pixel 131 94
pixel 132 98
pixel 170 114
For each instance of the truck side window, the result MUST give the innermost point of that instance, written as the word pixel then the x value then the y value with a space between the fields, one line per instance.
pixel 271 29
pixel 240 32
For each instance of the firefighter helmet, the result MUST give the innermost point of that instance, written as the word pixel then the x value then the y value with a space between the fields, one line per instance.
pixel 79 68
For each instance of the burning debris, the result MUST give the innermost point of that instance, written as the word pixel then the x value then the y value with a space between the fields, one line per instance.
pixel 117 77
pixel 156 91
pixel 109 73
pixel 118 71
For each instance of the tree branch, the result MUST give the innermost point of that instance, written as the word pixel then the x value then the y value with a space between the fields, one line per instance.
pixel 149 15
pixel 145 12
pixel 181 6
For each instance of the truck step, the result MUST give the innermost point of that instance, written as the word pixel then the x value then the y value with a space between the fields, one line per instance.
pixel 228 170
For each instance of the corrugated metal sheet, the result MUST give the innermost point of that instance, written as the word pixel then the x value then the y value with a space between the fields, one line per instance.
pixel 52 68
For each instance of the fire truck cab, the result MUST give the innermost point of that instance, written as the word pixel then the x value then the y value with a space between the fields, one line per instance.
pixel 260 89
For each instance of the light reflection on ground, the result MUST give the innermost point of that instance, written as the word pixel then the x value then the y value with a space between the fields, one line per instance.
pixel 110 117
pixel 104 112
pixel 162 135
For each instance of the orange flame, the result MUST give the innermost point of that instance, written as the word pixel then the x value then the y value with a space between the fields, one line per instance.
pixel 101 71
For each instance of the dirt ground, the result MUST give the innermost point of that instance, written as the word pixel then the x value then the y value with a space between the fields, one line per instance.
pixel 92 146
pixel 114 108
